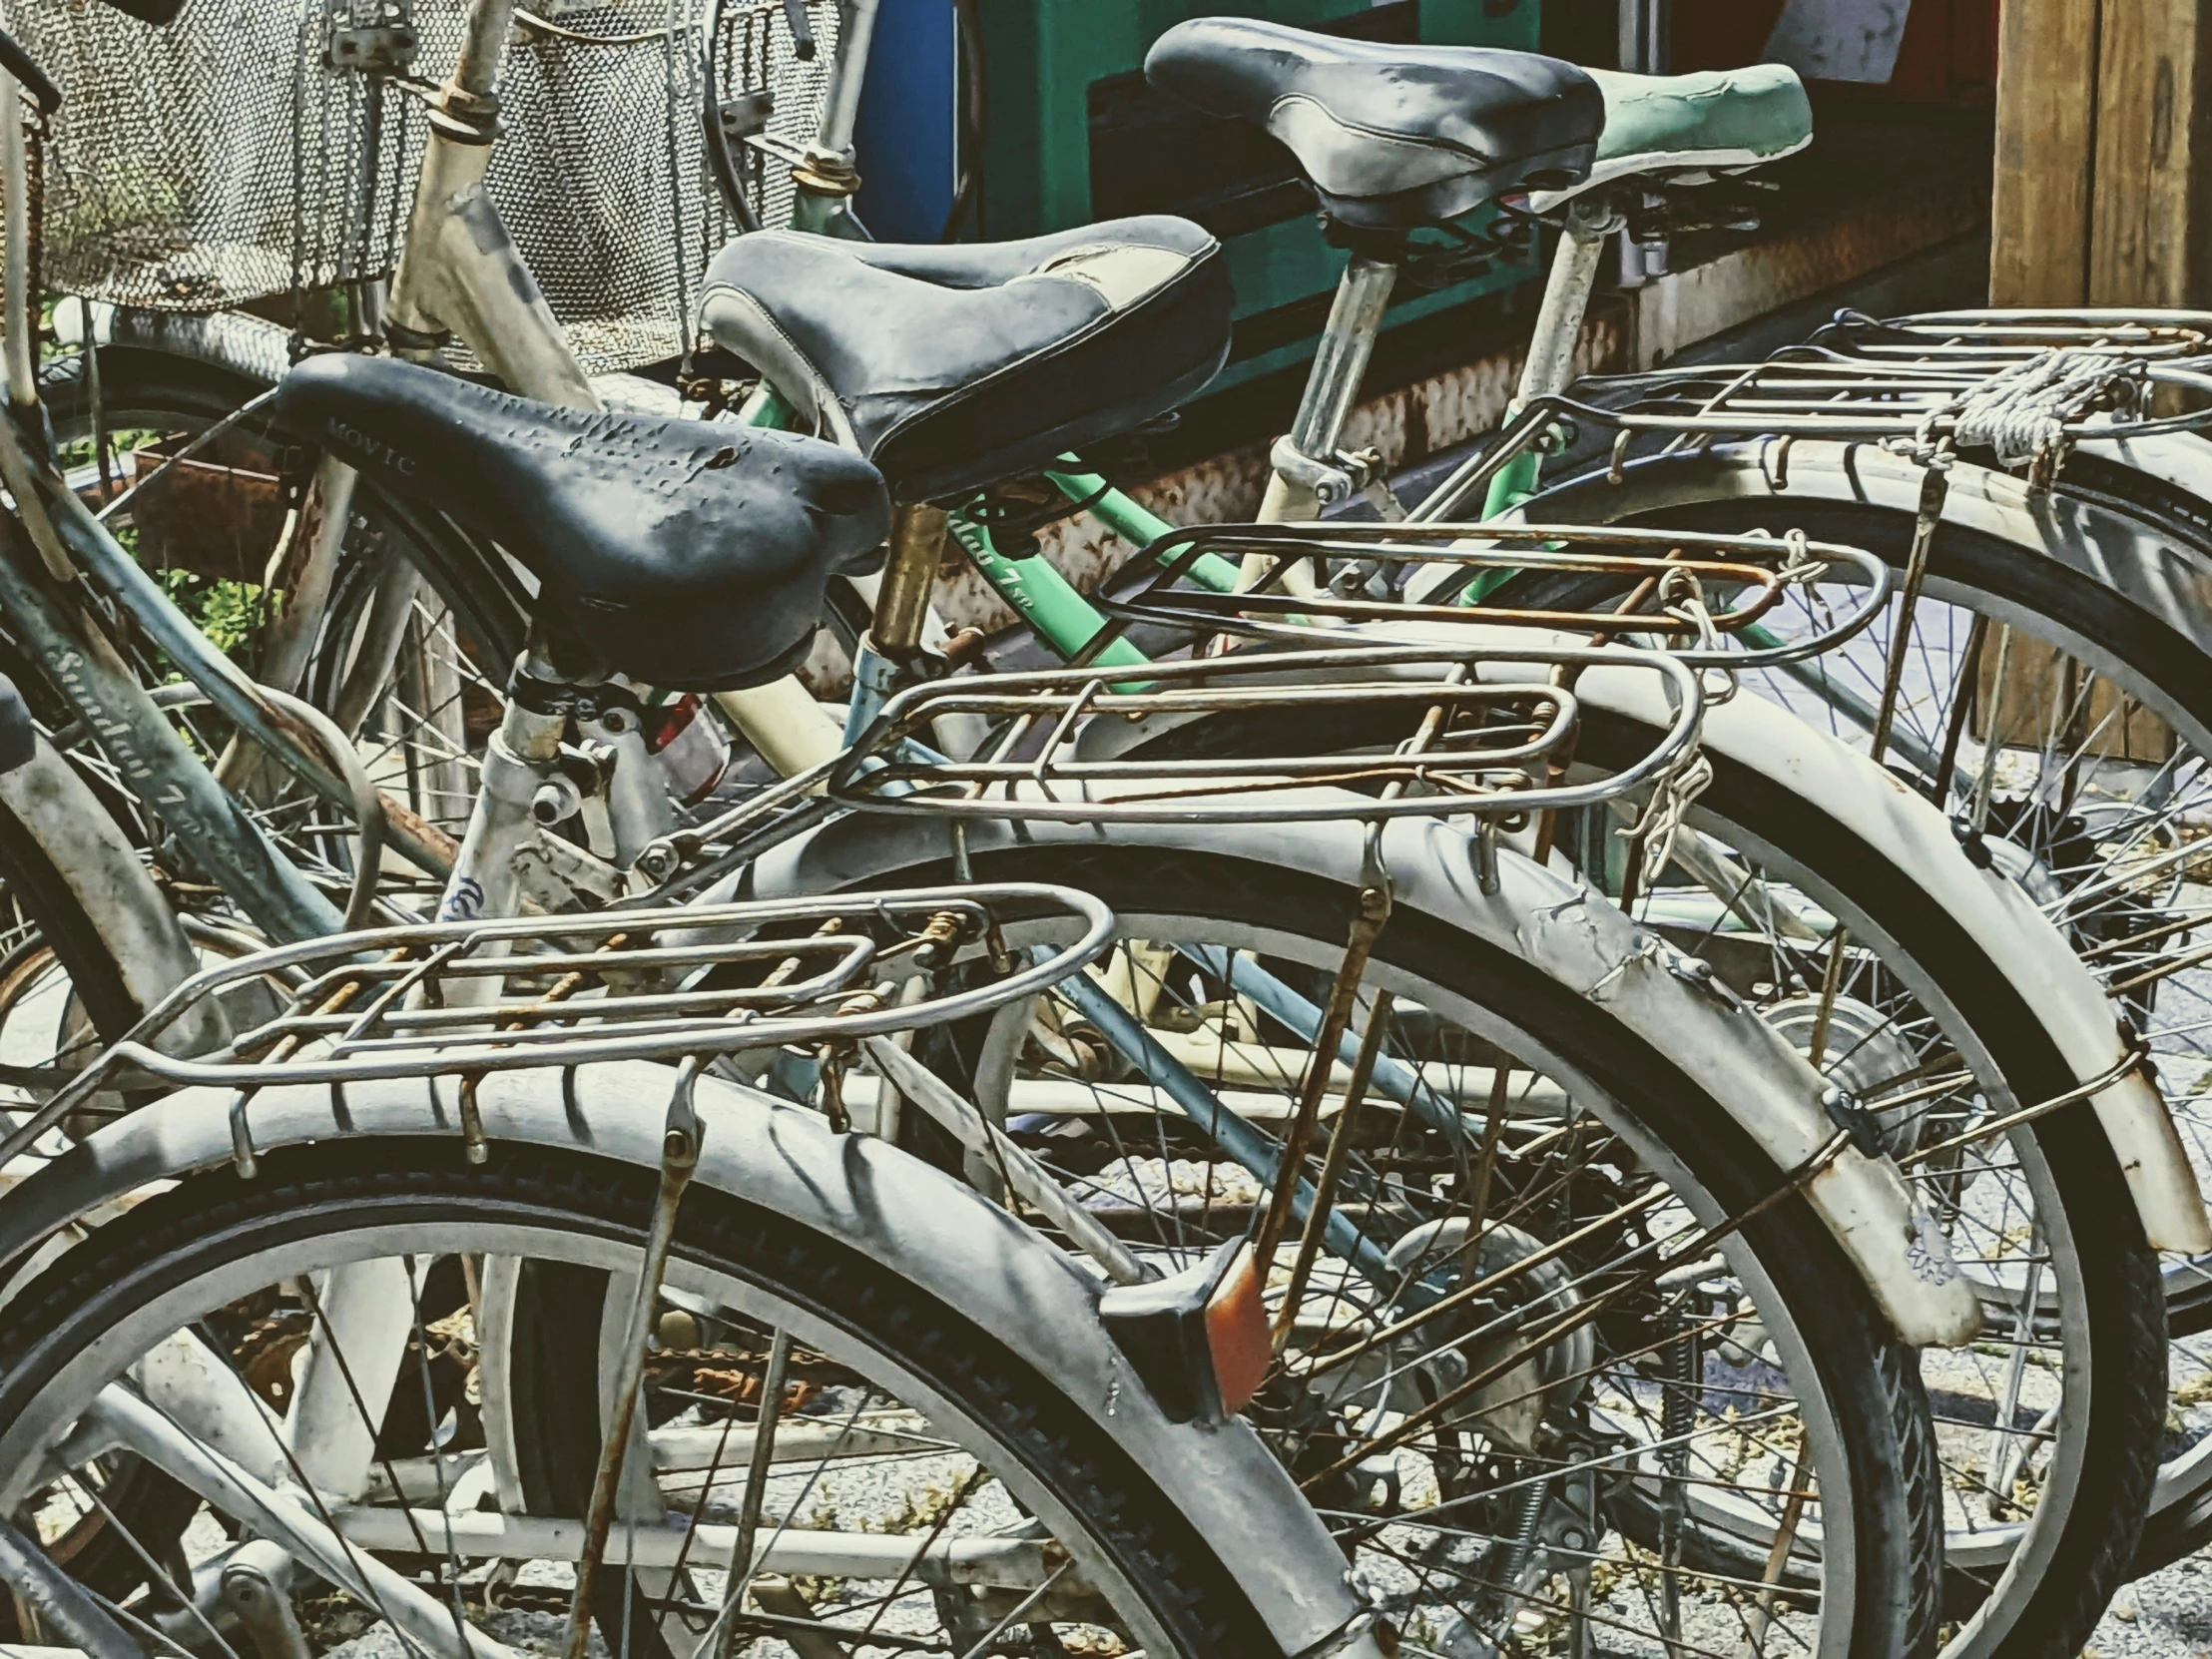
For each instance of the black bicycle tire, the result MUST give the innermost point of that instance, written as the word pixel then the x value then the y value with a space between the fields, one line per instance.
pixel 309 1191
pixel 2128 1334
pixel 1983 563
pixel 1136 881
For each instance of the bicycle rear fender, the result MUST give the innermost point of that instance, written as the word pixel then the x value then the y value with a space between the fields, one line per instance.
pixel 860 1190
pixel 2183 459
pixel 1575 937
pixel 2095 541
pixel 2019 941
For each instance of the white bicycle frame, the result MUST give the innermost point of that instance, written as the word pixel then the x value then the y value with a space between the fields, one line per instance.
pixel 460 273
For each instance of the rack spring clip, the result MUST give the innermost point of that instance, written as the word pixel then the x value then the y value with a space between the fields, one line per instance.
pixel 681 1137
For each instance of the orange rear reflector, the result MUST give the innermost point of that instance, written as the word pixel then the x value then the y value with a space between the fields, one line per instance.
pixel 1237 1333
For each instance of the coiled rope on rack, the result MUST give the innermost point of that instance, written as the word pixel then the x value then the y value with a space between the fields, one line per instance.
pixel 2022 411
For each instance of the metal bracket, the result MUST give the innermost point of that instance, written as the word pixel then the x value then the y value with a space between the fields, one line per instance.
pixel 256 1585
pixel 372 49
pixel 1845 1112
pixel 681 1136
pixel 747 113
pixel 1331 482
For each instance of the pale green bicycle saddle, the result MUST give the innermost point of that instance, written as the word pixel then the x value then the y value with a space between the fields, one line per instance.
pixel 1714 121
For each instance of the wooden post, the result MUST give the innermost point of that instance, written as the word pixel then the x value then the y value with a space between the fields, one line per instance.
pixel 2150 235
pixel 2045 151
pixel 2103 191
pixel 2103 196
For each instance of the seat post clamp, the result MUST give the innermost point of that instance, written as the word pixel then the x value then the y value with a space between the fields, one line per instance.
pixel 540 694
pixel 466 117
pixel 1331 481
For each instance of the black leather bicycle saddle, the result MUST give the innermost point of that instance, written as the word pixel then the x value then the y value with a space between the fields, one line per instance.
pixel 1391 137
pixel 689 555
pixel 953 368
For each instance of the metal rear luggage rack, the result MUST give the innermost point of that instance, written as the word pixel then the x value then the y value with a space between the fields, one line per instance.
pixel 1454 741
pixel 2012 382
pixel 2026 384
pixel 471 997
pixel 1692 591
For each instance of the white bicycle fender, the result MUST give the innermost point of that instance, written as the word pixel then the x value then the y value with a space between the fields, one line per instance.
pixel 1917 841
pixel 860 1190
pixel 1576 938
pixel 1908 831
pixel 2183 459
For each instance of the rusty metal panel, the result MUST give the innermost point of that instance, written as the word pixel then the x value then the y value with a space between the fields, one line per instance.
pixel 218 519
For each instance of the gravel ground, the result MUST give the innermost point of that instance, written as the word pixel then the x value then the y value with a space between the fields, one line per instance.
pixel 2165 1616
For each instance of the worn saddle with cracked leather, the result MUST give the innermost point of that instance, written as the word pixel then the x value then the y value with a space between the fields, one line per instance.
pixel 687 554
pixel 953 368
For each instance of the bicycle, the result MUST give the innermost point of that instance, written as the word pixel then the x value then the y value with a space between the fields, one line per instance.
pixel 772 314
pixel 2090 1073
pixel 2066 591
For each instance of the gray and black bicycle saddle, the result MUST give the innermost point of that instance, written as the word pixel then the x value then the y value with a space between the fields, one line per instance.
pixel 953 368
pixel 1391 137
pixel 688 554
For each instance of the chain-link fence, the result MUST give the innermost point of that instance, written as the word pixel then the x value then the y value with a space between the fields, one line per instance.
pixel 242 152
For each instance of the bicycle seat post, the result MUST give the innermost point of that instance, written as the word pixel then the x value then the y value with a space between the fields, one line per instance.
pixel 1549 368
pixel 459 271
pixel 825 184
pixel 891 654
pixel 1307 473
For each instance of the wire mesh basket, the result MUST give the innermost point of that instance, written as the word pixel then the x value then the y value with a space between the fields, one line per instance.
pixel 253 149
pixel 470 998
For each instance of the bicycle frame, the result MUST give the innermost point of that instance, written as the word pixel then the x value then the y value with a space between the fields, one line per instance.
pixel 86 669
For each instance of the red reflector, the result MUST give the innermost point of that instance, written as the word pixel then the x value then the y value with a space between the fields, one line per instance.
pixel 1237 1333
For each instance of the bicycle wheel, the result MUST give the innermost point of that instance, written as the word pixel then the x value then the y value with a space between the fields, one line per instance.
pixel 2076 716
pixel 1696 1466
pixel 927 1490
pixel 2047 1431
pixel 2048 1427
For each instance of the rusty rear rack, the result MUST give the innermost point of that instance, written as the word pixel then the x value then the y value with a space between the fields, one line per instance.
pixel 464 999
pixel 1444 731
pixel 1695 595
